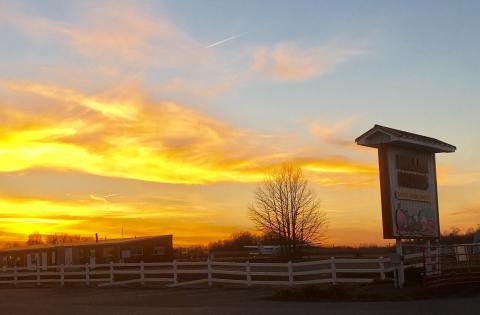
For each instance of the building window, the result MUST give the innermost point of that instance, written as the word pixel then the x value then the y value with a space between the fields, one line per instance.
pixel 137 251
pixel 33 259
pixel 158 250
pixel 108 252
pixel 81 253
pixel 126 253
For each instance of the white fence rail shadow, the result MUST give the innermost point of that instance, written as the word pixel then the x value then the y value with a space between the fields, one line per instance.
pixel 171 274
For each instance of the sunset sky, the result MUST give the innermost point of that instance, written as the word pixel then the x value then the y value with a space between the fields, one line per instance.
pixel 162 117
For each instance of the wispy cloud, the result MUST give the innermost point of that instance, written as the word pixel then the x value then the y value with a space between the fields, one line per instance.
pixel 111 195
pixel 470 212
pixel 127 42
pixel 333 133
pixel 123 32
pixel 121 42
pixel 291 61
pixel 98 198
pixel 122 107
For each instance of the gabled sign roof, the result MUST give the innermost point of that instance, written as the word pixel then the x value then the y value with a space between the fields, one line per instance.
pixel 379 135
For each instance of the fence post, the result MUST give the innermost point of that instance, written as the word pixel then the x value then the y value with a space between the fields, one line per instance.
pixel 175 275
pixel 382 268
pixel 142 273
pixel 290 273
pixel 428 260
pixel 38 274
pixel 111 272
pixel 87 274
pixel 333 269
pixel 395 277
pixel 438 259
pixel 249 275
pixel 62 275
pixel 15 277
pixel 209 267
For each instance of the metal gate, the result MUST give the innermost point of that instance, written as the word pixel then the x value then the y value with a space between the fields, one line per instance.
pixel 452 264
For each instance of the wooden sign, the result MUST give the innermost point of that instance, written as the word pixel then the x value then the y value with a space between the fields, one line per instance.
pixel 408 192
pixel 408 181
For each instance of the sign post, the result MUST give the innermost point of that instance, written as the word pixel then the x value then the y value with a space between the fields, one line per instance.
pixel 408 184
pixel 400 269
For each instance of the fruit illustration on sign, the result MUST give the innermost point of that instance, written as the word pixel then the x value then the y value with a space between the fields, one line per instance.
pixel 402 220
pixel 420 222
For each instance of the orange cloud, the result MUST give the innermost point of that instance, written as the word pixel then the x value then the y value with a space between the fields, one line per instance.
pixel 289 61
pixel 123 136
pixel 119 108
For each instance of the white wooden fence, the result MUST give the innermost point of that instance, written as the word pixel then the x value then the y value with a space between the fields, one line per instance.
pixel 333 271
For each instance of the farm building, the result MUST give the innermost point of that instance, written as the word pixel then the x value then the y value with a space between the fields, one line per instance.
pixel 147 249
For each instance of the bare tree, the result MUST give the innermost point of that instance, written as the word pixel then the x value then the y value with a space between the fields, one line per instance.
pixel 62 238
pixel 284 205
pixel 35 239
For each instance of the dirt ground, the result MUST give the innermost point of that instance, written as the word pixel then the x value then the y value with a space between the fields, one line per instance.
pixel 106 301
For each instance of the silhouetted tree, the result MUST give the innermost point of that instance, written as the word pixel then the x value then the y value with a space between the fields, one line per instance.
pixel 455 235
pixel 13 244
pixel 58 238
pixel 285 206
pixel 236 242
pixel 34 239
pixel 61 238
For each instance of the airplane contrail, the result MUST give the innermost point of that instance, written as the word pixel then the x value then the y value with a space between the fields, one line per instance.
pixel 223 41
pixel 111 195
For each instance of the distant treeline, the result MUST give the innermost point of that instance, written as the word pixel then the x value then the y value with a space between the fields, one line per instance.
pixel 456 236
pixel 238 240
pixel 57 238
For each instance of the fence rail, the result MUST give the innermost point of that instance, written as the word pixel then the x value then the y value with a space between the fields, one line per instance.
pixel 333 271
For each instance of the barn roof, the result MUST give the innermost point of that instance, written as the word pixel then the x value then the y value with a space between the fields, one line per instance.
pixel 384 135
pixel 117 241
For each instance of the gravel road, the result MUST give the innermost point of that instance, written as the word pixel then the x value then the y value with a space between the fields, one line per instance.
pixel 118 301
